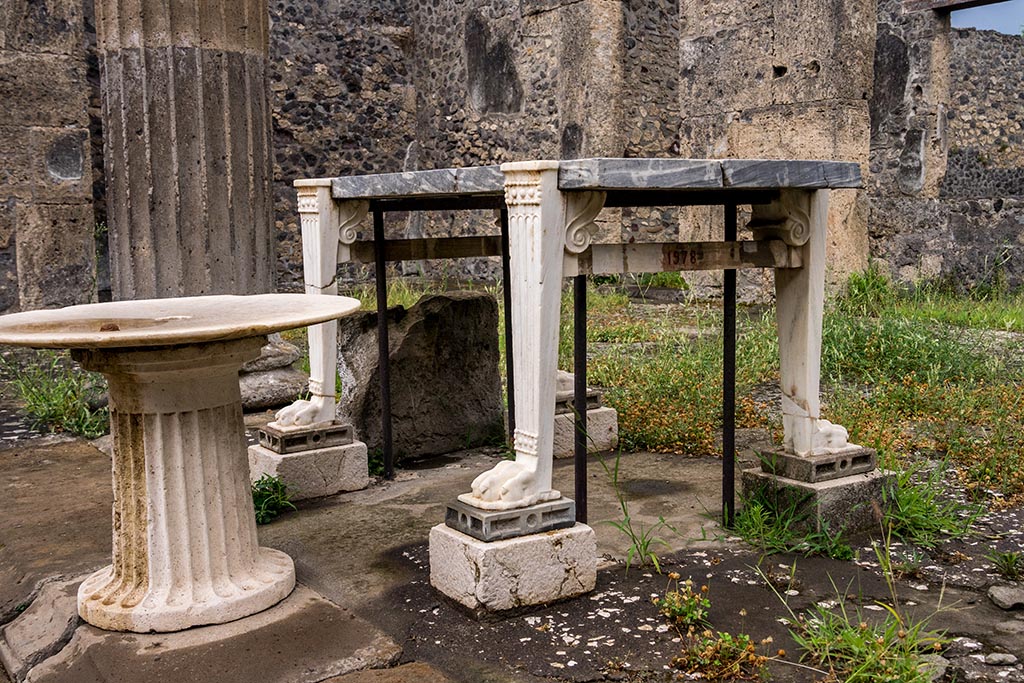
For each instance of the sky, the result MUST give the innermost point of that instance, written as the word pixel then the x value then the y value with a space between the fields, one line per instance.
pixel 1005 17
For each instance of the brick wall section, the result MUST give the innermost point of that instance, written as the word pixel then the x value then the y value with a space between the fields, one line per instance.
pixel 46 206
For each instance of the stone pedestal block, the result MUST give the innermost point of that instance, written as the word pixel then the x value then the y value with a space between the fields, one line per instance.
pixel 502 575
pixel 316 472
pixel 849 504
pixel 822 467
pixel 602 432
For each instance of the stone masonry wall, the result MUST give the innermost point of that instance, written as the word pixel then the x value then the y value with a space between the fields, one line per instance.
pixel 946 184
pixel 47 254
pixel 342 98
pixel 413 84
pixel 761 79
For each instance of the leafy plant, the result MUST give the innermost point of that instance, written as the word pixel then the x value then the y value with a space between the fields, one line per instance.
pixel 916 509
pixel 1009 563
pixel 642 538
pixel 270 498
pixel 682 604
pixel 57 395
pixel 849 647
pixel 720 656
pixel 778 523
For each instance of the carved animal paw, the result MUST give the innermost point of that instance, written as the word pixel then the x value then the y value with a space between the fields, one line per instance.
pixel 304 413
pixel 830 438
pixel 509 484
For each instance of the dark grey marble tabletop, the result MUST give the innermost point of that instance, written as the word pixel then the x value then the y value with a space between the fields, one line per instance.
pixel 613 175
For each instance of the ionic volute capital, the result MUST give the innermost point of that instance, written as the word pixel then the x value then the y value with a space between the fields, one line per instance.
pixel 350 216
pixel 786 218
pixel 581 209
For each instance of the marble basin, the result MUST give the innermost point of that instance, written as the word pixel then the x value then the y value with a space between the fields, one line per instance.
pixel 164 322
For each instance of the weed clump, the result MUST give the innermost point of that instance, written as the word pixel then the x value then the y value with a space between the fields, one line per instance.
pixel 58 396
pixel 270 498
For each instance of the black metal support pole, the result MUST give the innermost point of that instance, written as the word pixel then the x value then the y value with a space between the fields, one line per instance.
pixel 506 293
pixel 729 380
pixel 579 353
pixel 383 347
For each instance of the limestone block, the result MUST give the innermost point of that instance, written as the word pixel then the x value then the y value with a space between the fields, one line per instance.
pixel 445 387
pixel 43 90
pixel 746 86
pixel 271 388
pixel 313 473
pixel 56 254
pixel 602 432
pixel 501 575
pixel 850 504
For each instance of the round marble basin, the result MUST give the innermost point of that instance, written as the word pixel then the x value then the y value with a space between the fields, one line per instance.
pixel 165 322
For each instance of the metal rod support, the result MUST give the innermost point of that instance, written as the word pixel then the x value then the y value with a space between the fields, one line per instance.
pixel 506 295
pixel 579 352
pixel 729 380
pixel 383 346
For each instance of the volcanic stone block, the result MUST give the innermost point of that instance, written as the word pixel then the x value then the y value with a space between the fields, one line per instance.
pixel 445 387
pixel 848 504
pixel 527 570
pixel 495 525
pixel 814 468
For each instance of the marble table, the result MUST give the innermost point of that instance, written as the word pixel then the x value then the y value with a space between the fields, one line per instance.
pixel 185 551
pixel 551 208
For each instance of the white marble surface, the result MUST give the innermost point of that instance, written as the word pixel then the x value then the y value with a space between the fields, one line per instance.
pixel 185 551
pixel 160 322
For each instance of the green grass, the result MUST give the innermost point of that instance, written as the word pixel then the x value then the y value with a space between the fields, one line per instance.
pixel 270 498
pixel 57 395
pixel 926 371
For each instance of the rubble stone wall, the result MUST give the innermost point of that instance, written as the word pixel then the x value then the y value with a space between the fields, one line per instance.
pixel 946 189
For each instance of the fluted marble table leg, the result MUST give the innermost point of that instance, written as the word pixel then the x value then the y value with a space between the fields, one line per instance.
pixel 185 551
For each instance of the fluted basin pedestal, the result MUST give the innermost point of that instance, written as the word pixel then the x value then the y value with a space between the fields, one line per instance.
pixel 185 551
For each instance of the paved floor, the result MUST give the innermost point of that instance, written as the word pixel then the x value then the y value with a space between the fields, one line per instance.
pixel 365 553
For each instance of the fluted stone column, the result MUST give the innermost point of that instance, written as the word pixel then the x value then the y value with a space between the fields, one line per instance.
pixel 186 121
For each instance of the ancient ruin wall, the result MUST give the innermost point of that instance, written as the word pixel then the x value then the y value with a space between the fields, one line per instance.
pixel 946 183
pixel 342 98
pixel 47 255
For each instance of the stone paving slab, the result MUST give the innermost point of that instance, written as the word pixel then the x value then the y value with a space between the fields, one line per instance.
pixel 55 520
pixel 304 639
pixel 415 672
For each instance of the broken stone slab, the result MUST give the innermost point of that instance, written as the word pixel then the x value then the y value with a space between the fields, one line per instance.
pixel 495 525
pixel 848 504
pixel 1000 659
pixel 445 386
pixel 528 570
pixel 822 467
pixel 271 388
pixel 303 639
pixel 1007 597
pixel 42 629
pixel 316 472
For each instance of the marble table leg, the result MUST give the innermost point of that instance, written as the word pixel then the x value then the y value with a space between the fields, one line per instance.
pixel 185 551
pixel 801 218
